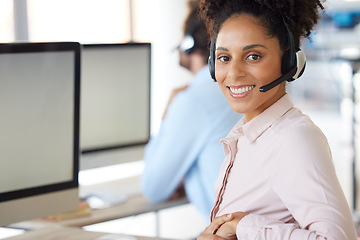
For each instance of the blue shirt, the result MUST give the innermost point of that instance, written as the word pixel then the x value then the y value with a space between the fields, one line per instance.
pixel 187 145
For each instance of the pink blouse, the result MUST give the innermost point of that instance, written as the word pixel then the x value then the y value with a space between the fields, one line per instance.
pixel 278 168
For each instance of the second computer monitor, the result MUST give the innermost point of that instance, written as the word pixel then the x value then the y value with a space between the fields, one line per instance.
pixel 115 103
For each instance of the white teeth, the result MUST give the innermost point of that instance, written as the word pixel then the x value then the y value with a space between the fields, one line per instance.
pixel 241 90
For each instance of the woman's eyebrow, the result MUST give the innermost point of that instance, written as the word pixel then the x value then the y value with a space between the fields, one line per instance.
pixel 222 48
pixel 253 46
pixel 244 48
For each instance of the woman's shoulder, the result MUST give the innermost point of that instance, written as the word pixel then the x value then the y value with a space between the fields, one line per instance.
pixel 300 143
pixel 295 126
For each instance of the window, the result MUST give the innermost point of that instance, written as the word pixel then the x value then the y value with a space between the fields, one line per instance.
pixel 81 20
pixel 7 21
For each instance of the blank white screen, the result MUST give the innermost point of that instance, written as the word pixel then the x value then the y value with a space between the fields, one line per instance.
pixel 115 95
pixel 37 118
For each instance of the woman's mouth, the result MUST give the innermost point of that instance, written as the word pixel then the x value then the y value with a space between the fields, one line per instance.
pixel 241 90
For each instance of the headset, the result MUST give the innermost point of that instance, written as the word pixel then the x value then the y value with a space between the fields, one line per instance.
pixel 187 45
pixel 292 66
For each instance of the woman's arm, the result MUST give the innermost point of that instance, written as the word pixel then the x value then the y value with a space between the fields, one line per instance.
pixel 304 178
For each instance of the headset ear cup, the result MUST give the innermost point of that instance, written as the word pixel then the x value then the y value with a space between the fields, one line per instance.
pixel 211 60
pixel 187 45
pixel 301 63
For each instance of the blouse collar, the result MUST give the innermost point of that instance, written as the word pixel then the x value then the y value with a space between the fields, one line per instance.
pixel 258 125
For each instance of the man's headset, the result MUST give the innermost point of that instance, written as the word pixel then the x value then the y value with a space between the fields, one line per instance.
pixel 187 45
pixel 292 66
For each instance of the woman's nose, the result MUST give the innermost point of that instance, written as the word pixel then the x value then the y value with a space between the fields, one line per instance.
pixel 236 70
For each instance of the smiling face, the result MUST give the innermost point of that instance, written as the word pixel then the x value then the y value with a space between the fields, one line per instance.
pixel 247 58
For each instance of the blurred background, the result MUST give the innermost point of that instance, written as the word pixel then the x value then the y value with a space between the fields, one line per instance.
pixel 328 90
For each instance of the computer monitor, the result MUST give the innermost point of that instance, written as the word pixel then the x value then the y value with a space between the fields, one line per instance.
pixel 39 126
pixel 115 103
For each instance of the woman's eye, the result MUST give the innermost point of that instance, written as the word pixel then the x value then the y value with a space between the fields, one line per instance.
pixel 253 57
pixel 223 58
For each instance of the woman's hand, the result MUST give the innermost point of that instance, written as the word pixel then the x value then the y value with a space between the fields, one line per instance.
pixel 228 229
pixel 209 232
pixel 223 227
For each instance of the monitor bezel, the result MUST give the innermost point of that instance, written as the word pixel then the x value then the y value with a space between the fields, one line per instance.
pixel 114 147
pixel 33 47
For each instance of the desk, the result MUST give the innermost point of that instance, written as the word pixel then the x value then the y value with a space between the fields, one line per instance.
pixel 68 233
pixel 134 205
pixel 70 229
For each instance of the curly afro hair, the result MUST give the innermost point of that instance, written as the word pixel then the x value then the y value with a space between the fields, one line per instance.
pixel 300 15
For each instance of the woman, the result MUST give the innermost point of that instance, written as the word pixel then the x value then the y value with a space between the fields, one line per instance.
pixel 277 180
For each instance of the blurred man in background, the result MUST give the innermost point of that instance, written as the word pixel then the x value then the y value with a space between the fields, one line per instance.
pixel 185 156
